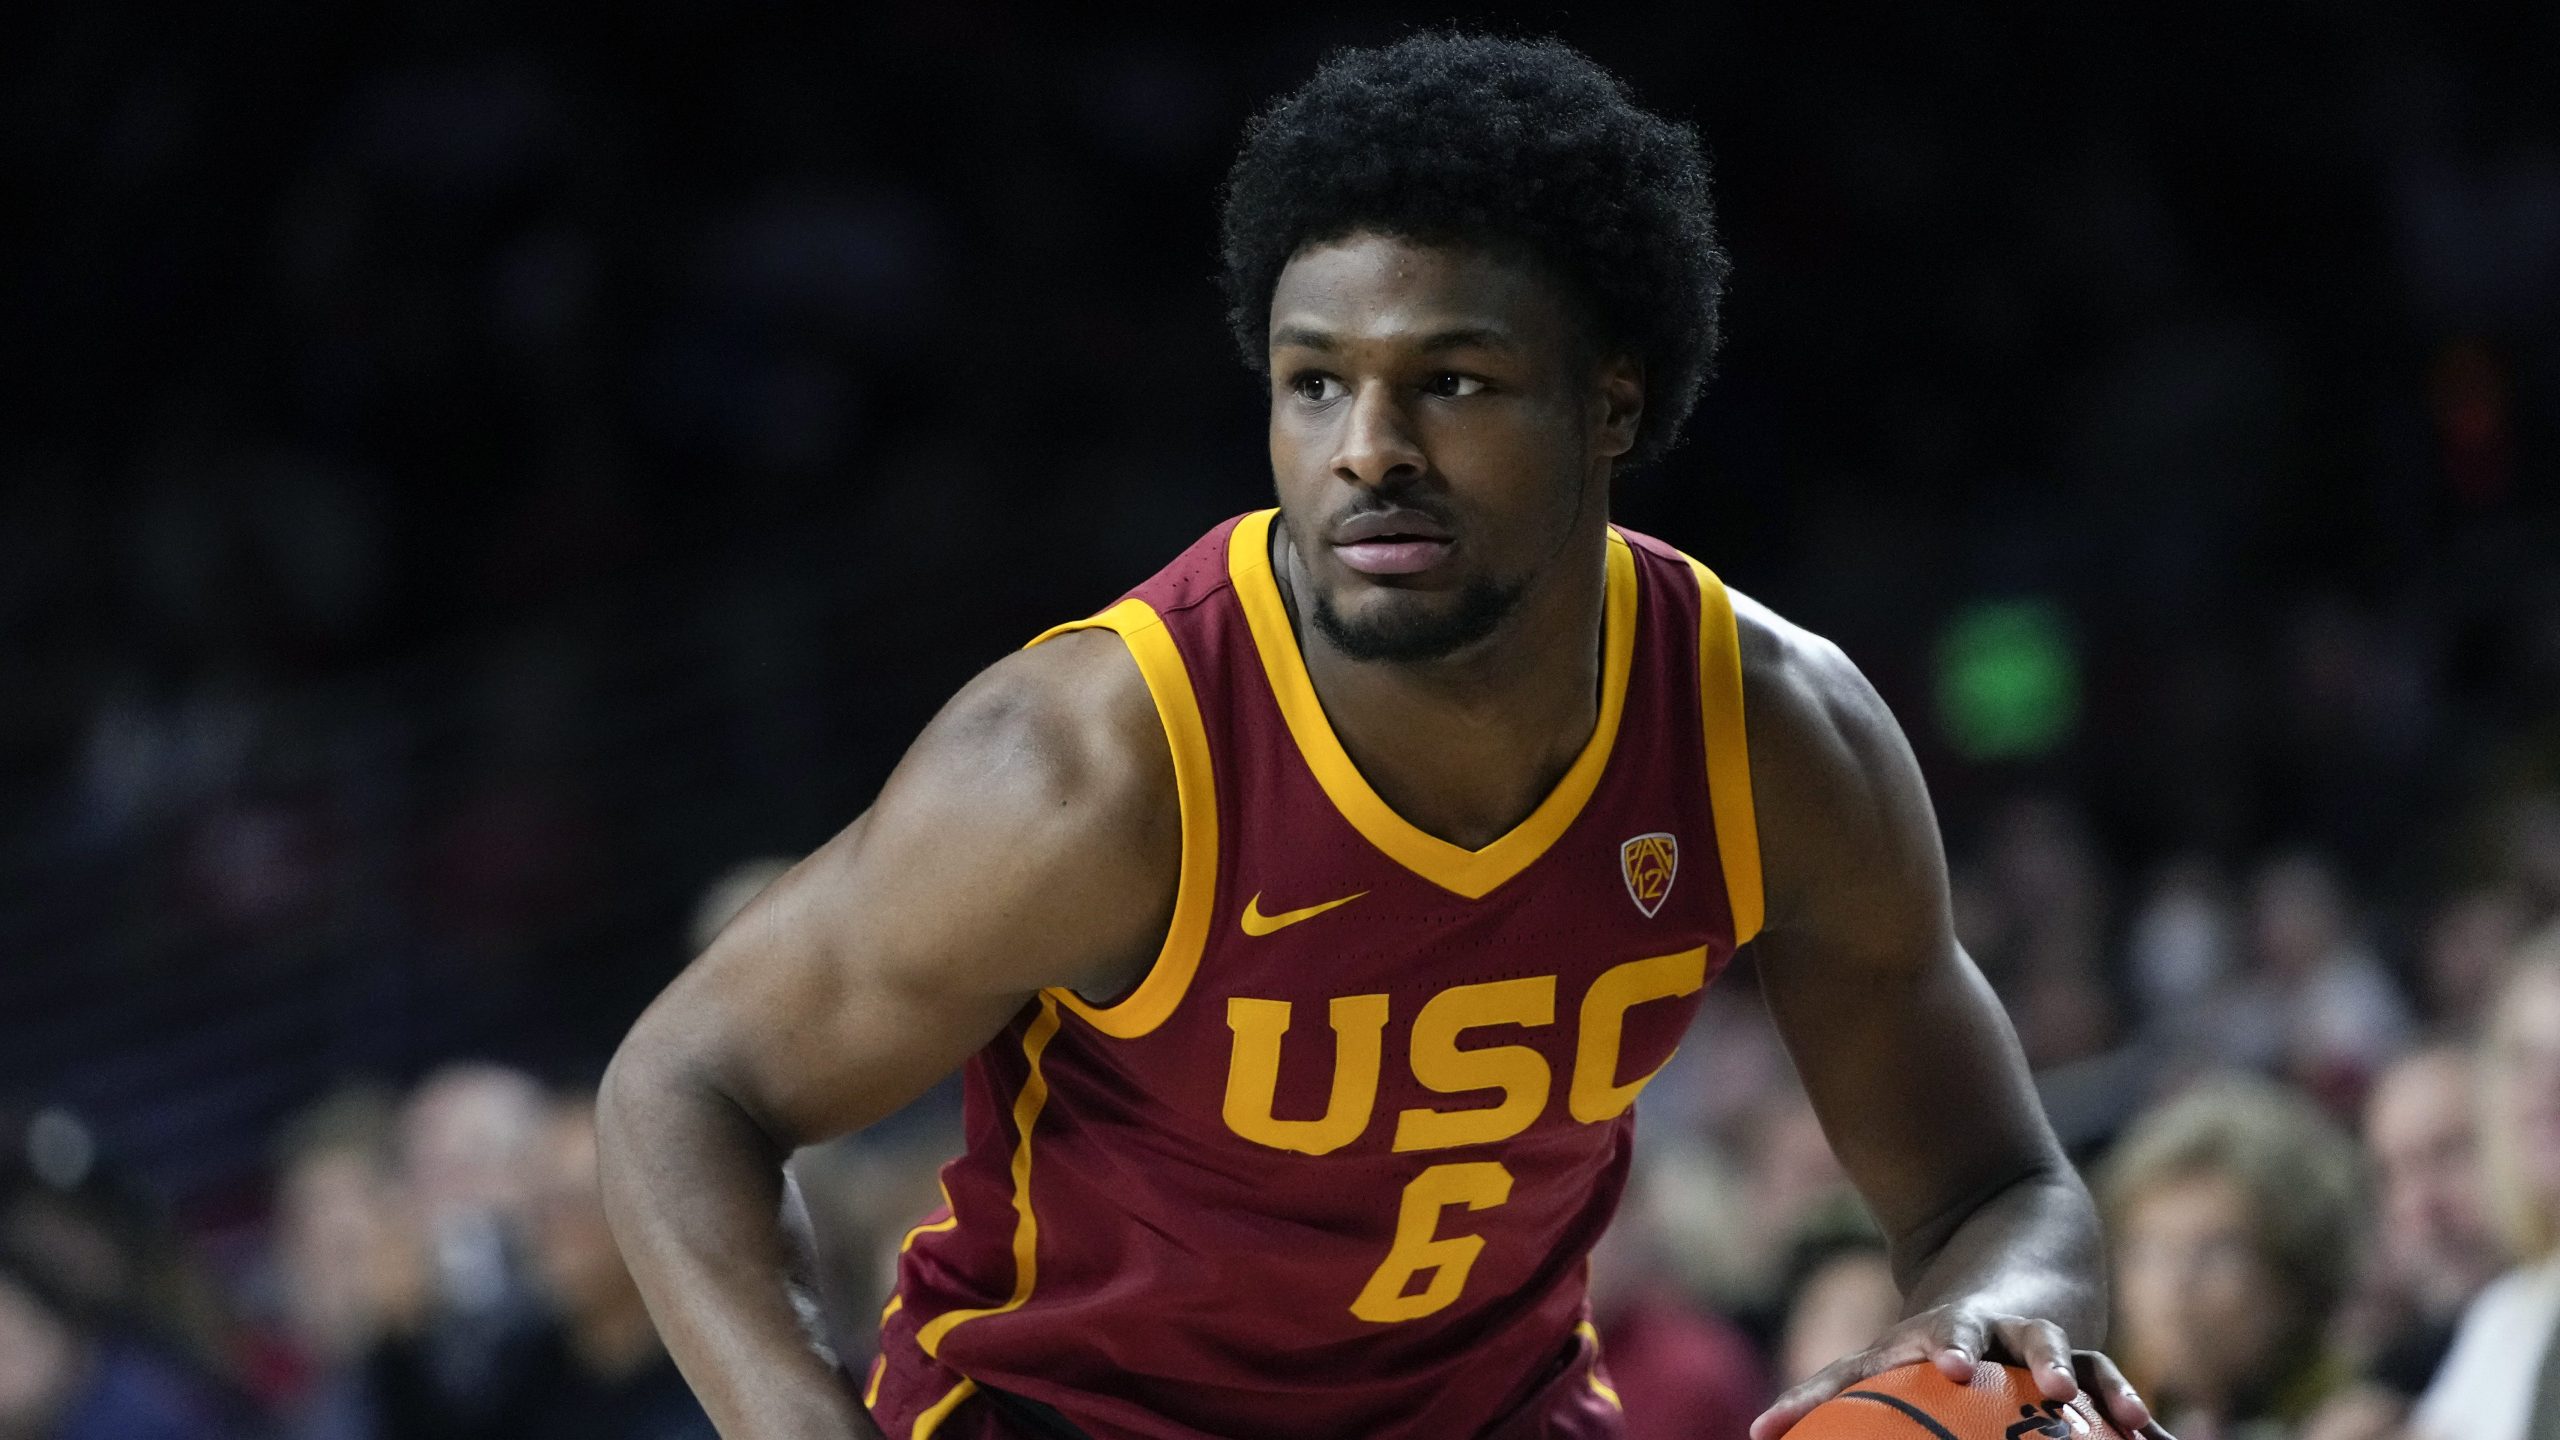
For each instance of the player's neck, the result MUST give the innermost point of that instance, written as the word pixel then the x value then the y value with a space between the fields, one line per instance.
pixel 1466 746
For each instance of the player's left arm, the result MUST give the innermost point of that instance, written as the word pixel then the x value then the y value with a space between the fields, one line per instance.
pixel 1908 1056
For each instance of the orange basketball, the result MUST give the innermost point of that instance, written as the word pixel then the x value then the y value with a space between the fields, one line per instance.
pixel 1915 1402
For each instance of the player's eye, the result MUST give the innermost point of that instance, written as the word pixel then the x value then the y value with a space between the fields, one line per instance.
pixel 1451 386
pixel 1315 387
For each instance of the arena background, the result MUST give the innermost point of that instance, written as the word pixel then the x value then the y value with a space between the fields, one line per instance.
pixel 477 475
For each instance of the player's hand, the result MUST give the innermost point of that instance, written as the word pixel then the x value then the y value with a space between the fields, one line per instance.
pixel 1956 1339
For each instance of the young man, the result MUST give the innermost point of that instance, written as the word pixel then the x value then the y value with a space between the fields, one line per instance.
pixel 1308 921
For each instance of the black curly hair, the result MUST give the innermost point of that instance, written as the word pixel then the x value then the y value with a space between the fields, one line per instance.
pixel 1521 147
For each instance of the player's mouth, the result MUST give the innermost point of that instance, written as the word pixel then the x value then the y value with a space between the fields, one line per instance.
pixel 1391 542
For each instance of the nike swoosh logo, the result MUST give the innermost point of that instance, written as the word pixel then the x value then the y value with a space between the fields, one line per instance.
pixel 1257 923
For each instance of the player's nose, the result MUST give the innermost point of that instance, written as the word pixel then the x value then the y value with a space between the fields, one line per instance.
pixel 1376 444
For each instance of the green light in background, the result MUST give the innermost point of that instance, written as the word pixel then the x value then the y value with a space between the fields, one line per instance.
pixel 2008 680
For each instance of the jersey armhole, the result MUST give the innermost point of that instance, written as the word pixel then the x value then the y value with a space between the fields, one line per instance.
pixel 1145 1007
pixel 1728 753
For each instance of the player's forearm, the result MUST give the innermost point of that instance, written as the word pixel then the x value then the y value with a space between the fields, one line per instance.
pixel 2032 1247
pixel 694 1190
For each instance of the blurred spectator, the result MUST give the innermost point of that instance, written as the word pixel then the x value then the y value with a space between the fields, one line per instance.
pixel 2502 1380
pixel 1785 1173
pixel 1841 1297
pixel 565 1352
pixel 1682 1372
pixel 468 1138
pixel 478 1363
pixel 350 1255
pixel 2234 1214
pixel 2465 951
pixel 91 1235
pixel 619 1383
pixel 2337 1015
pixel 2435 1248
pixel 351 1260
pixel 2032 911
pixel 61 1379
pixel 2180 952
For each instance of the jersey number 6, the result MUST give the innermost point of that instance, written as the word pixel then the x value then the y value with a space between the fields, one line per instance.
pixel 1476 1184
pixel 1441 1063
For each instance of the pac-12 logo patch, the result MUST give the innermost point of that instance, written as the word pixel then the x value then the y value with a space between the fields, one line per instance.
pixel 1649 860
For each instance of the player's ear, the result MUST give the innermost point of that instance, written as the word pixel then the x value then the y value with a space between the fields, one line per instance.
pixel 1617 405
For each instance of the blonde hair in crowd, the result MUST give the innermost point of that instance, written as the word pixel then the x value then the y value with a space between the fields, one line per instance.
pixel 2300 1172
pixel 2526 1220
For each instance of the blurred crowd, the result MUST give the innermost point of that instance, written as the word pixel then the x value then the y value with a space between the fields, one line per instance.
pixel 2339 1221
pixel 2332 1199
pixel 471 476
pixel 439 1266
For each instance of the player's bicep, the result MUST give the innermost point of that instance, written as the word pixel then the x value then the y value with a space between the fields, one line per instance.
pixel 1022 843
pixel 1903 1048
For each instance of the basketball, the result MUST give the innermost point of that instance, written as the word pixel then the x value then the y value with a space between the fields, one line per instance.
pixel 1915 1402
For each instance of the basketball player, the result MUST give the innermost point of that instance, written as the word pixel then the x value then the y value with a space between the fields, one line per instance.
pixel 1308 921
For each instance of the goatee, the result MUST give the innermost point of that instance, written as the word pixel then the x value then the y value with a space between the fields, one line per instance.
pixel 1411 632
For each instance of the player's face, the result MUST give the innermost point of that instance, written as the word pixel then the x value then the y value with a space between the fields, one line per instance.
pixel 1440 437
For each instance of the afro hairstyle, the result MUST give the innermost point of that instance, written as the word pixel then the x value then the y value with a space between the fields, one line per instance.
pixel 1523 148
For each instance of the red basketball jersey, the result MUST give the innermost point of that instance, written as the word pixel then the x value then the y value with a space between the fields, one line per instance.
pixel 1334 1166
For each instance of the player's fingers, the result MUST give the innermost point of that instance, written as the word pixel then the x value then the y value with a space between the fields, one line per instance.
pixel 1958 1345
pixel 1798 1400
pixel 2116 1396
pixel 2040 1346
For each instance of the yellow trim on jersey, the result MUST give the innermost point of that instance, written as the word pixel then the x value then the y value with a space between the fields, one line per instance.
pixel 1026 1228
pixel 880 1367
pixel 931 1226
pixel 931 1420
pixel 1599 1386
pixel 1728 752
pixel 1470 873
pixel 1195 792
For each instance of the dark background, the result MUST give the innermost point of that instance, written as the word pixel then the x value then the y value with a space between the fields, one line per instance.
pixel 474 473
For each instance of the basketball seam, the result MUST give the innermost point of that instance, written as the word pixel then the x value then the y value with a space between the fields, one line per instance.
pixel 1907 1408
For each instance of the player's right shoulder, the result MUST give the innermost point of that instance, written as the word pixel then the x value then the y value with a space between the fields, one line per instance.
pixel 1069 719
pixel 1041 805
pixel 1028 839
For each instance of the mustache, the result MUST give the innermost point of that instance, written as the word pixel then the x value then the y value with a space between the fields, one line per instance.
pixel 1411 499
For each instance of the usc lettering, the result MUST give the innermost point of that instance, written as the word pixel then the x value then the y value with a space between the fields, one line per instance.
pixel 1597 1094
pixel 1441 1063
pixel 1253 1073
pixel 1519 1072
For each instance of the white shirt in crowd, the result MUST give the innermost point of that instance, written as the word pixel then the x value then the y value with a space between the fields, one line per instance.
pixel 2484 1388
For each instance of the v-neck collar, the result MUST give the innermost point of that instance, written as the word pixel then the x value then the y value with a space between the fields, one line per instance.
pixel 1470 873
